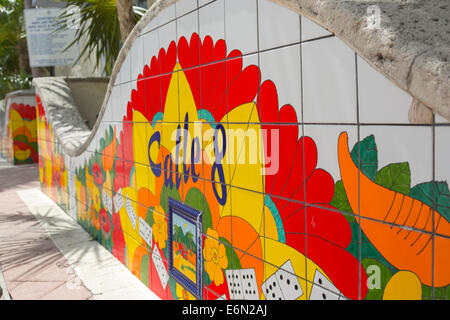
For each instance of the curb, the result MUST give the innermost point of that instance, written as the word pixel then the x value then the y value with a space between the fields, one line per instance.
pixel 4 295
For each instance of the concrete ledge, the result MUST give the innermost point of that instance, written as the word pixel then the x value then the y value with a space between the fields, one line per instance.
pixel 61 111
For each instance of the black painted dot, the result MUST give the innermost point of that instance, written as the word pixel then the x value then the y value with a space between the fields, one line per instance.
pixel 324 296
pixel 267 290
pixel 288 281
pixel 274 284
pixel 270 286
pixel 320 281
pixel 296 287
pixel 281 276
pixel 273 295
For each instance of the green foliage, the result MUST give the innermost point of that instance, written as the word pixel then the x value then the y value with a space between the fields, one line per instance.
pixel 233 259
pixel 197 200
pixel 99 24
pixel 11 32
pixel 376 282
pixel 396 177
pixel 340 200
pixel 365 156
pixel 441 199
pixel 145 263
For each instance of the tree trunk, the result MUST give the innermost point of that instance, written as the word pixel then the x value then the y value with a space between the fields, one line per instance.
pixel 125 16
pixel 22 51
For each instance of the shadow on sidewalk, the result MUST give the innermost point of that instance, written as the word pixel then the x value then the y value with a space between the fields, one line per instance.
pixel 28 253
pixel 19 176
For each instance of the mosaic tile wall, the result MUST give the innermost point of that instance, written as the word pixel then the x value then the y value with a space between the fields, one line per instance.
pixel 311 180
pixel 18 135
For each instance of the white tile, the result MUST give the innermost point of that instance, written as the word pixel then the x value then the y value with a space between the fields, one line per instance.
pixel 151 25
pixel 380 100
pixel 166 15
pixel 442 157
pixel 125 97
pixel 212 21
pixel 326 140
pixel 150 46
pixel 412 144
pixel 241 25
pixel 187 25
pixel 282 67
pixel 311 30
pixel 203 2
pixel 167 34
pixel 184 6
pixel 125 70
pixel 30 100
pixel 137 58
pixel 329 81
pixel 278 25
pixel 108 114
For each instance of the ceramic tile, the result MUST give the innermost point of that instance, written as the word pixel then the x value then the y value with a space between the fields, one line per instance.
pixel 183 7
pixel 212 21
pixel 442 154
pixel 321 147
pixel 244 154
pixel 329 81
pixel 150 46
pixel 186 27
pixel 241 26
pixel 167 34
pixel 278 26
pixel 125 70
pixel 137 58
pixel 311 30
pixel 380 100
pixel 441 263
pixel 396 144
pixel 282 67
pixel 204 2
pixel 278 271
pixel 166 15
pixel 394 259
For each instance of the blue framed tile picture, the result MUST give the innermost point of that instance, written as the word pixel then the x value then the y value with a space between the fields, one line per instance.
pixel 185 246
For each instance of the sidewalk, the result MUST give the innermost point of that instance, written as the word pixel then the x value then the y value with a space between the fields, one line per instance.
pixel 45 254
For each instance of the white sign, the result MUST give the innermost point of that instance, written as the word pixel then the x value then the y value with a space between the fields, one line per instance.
pixel 45 45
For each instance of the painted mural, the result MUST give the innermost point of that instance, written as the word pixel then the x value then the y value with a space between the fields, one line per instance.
pixel 202 126
pixel 19 137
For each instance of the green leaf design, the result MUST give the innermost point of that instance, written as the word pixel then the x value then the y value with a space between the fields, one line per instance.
pixel 233 260
pixel 396 177
pixel 144 269
pixel 377 278
pixel 340 200
pixel 441 199
pixel 196 200
pixel 365 156
pixel 442 293
pixel 173 288
pixel 167 192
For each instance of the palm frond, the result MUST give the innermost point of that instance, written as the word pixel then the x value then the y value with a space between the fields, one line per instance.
pixel 99 25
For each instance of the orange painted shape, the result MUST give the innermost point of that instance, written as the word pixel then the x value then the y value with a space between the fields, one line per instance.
pixel 412 252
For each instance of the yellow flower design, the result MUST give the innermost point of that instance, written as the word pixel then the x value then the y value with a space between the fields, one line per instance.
pixel 215 257
pixel 159 228
pixel 183 294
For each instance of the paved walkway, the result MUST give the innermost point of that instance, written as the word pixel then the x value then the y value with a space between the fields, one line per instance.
pixel 45 254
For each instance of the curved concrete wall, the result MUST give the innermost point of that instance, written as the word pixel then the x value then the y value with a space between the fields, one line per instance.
pixel 18 136
pixel 298 153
